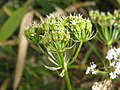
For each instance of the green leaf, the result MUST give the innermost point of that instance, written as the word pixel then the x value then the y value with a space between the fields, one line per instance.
pixel 12 24
pixel 118 1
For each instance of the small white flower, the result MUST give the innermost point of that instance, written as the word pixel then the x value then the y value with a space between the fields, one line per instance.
pixel 94 72
pixel 91 68
pixel 118 65
pixel 111 54
pixel 93 65
pixel 114 55
pixel 113 75
pixel 88 70
pixel 117 71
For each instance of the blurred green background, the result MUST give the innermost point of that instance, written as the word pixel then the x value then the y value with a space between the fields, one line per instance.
pixel 21 64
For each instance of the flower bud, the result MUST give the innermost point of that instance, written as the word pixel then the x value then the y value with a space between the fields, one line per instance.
pixel 82 25
pixel 89 25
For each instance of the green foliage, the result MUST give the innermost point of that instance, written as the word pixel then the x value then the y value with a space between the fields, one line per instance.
pixel 118 1
pixel 12 24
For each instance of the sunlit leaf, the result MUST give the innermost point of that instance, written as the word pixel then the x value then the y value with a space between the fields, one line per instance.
pixel 12 24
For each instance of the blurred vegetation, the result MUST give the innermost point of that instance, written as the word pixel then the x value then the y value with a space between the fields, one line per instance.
pixel 34 76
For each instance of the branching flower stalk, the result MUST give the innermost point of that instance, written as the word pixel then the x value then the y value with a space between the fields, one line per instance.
pixel 57 37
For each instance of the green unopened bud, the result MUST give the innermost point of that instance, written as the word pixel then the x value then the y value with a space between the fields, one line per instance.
pixel 67 36
pixel 55 36
pixel 94 14
pixel 77 28
pixel 32 35
pixel 46 27
pixel 89 25
pixel 44 40
pixel 82 25
pixel 117 13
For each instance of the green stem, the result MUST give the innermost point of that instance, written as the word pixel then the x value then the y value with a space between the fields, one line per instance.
pixel 59 59
pixel 67 78
pixel 64 64
pixel 77 52
pixel 62 59
pixel 103 73
pixel 39 47
pixel 44 52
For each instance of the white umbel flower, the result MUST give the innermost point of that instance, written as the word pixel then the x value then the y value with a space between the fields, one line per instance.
pixel 113 56
pixel 91 68
pixel 116 71
pixel 88 70
pixel 113 53
pixel 113 75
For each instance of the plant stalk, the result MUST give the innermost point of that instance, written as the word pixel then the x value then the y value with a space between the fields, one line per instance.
pixel 77 52
pixel 67 78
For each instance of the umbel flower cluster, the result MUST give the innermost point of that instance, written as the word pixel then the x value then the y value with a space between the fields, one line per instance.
pixel 113 70
pixel 113 57
pixel 56 32
pixel 58 35
pixel 107 25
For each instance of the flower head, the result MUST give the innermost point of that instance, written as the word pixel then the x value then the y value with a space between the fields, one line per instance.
pixel 113 53
pixel 56 32
pixel 113 56
pixel 91 68
pixel 107 25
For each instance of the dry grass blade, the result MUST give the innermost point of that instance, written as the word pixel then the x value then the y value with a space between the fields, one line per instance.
pixel 71 8
pixel 76 6
pixel 59 10
pixel 22 49
pixel 37 14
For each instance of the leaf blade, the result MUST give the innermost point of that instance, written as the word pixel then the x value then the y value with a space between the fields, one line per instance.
pixel 12 24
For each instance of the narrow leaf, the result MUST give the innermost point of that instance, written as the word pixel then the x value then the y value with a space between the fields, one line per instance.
pixel 22 49
pixel 12 24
